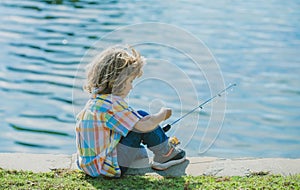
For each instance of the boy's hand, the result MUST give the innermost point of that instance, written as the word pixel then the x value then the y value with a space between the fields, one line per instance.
pixel 151 122
pixel 167 112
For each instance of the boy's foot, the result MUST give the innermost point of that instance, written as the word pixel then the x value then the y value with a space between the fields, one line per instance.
pixel 173 157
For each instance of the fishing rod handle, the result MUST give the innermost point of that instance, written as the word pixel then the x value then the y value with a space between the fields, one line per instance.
pixel 166 128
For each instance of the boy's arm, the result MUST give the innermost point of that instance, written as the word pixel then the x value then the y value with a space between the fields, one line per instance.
pixel 151 122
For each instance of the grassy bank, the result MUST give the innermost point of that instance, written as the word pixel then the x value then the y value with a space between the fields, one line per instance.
pixel 62 179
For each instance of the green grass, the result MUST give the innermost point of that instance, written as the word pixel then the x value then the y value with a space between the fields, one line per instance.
pixel 63 179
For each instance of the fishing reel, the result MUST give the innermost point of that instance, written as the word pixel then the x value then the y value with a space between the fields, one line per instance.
pixel 166 128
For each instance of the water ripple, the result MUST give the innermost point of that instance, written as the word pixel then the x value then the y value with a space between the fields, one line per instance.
pixel 40 58
pixel 26 144
pixel 19 128
pixel 36 116
pixel 21 70
pixel 32 92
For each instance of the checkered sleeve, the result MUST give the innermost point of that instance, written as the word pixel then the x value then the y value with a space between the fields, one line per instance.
pixel 122 118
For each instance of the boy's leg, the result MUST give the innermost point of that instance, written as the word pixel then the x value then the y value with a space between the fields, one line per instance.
pixel 165 153
pixel 129 147
pixel 155 137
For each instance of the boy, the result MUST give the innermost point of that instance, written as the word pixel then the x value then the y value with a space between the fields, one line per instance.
pixel 109 133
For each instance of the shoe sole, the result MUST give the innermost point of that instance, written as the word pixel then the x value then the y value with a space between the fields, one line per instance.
pixel 164 166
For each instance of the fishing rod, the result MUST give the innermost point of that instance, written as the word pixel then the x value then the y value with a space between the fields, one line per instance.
pixel 168 126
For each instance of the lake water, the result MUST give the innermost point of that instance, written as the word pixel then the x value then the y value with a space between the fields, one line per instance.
pixel 253 44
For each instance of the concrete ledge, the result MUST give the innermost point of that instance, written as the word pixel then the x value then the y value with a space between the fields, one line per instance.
pixel 36 162
pixel 194 166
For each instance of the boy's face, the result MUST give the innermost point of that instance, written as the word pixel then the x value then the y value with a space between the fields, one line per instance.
pixel 128 86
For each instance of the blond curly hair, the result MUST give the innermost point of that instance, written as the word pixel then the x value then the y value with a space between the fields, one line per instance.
pixel 107 73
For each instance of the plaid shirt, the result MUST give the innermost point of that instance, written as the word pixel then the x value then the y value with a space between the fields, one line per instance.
pixel 99 128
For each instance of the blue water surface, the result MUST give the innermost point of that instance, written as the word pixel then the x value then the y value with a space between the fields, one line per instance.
pixel 255 44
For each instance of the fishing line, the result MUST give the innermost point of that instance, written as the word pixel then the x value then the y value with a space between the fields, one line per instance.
pixel 168 126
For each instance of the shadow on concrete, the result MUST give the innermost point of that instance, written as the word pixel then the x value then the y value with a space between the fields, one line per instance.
pixel 175 171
